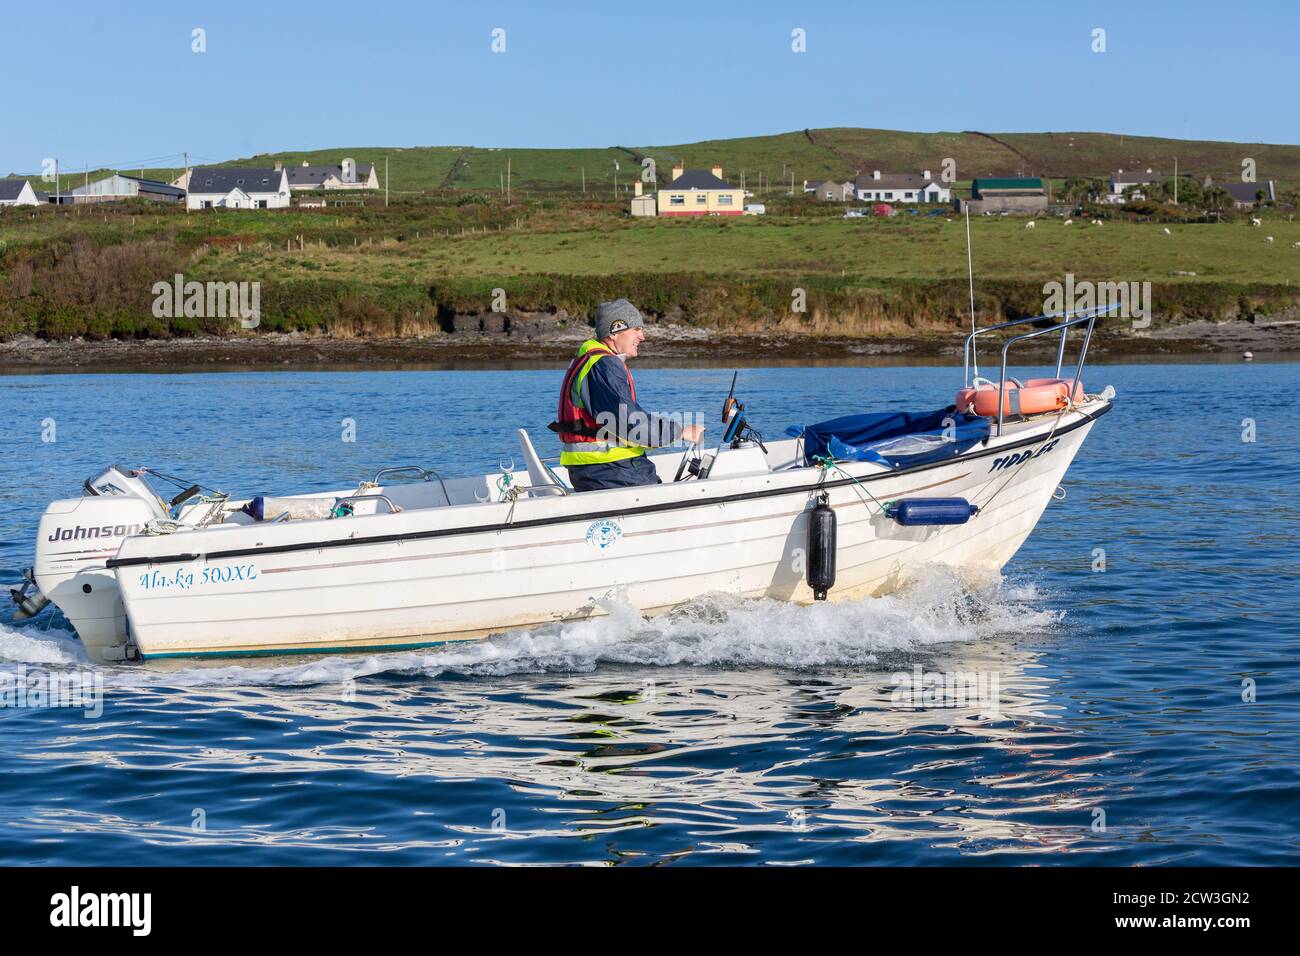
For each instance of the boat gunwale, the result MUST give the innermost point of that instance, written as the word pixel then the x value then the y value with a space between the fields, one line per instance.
pixel 1086 417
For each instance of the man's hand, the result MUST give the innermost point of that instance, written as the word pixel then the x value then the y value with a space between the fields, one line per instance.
pixel 693 434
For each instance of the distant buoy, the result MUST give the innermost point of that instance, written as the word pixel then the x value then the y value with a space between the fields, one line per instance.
pixel 1248 356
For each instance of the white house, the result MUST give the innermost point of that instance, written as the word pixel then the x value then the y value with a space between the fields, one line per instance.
pixel 17 192
pixel 237 187
pixel 901 187
pixel 349 174
pixel 1121 180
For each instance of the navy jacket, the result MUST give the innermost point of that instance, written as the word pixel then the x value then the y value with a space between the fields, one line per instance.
pixel 608 397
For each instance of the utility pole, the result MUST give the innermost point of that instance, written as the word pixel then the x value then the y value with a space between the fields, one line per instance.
pixel 56 182
pixel 1175 180
pixel 584 179
pixel 385 180
pixel 508 180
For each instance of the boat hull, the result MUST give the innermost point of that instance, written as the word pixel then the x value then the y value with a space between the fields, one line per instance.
pixel 415 579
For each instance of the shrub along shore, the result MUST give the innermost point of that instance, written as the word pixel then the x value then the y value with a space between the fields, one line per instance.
pixel 466 272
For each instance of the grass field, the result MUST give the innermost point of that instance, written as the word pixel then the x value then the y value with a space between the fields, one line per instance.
pixel 71 271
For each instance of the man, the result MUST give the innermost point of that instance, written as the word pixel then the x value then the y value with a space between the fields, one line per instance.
pixel 605 433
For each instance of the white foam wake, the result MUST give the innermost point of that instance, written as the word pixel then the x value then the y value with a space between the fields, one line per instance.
pixel 712 631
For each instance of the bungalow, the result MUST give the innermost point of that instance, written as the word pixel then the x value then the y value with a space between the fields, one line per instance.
pixel 700 192
pixel 349 174
pixel 830 191
pixel 118 187
pixel 1009 195
pixel 237 187
pixel 1121 180
pixel 1247 195
pixel 901 187
pixel 17 192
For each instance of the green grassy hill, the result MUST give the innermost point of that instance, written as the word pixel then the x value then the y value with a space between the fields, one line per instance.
pixel 807 154
pixel 819 154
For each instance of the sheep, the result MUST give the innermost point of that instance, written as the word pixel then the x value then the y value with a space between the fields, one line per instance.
pixel 1030 224
pixel 1167 232
pixel 1069 222
pixel 1268 238
pixel 1297 245
pixel 1256 222
pixel 1096 222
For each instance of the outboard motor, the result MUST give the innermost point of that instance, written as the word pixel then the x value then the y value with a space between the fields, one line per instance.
pixel 821 548
pixel 75 538
pixel 120 481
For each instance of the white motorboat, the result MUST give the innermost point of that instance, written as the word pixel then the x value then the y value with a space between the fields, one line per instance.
pixel 842 509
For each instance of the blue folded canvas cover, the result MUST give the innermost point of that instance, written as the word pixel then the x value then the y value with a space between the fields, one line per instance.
pixel 857 437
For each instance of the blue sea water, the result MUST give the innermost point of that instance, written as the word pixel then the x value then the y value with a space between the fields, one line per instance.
pixel 1147 713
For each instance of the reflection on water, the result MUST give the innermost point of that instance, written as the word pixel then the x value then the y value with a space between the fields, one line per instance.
pixel 728 729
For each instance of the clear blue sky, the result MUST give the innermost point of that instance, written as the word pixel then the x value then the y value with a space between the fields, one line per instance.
pixel 117 84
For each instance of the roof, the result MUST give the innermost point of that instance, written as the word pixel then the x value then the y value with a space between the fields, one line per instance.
pixel 892 181
pixel 698 179
pixel 1026 183
pixel 316 175
pixel 1247 192
pixel 11 188
pixel 155 186
pixel 251 179
pixel 1132 176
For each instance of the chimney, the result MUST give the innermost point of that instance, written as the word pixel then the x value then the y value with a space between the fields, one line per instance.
pixel 677 170
pixel 717 170
pixel 278 165
pixel 875 174
pixel 636 188
pixel 926 175
pixel 305 163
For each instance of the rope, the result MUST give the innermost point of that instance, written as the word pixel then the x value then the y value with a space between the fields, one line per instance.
pixel 827 462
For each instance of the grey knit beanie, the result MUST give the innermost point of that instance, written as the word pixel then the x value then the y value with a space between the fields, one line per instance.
pixel 617 316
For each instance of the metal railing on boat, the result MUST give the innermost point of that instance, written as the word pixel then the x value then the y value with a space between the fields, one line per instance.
pixel 1089 317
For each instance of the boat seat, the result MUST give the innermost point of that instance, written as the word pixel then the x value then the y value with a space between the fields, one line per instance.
pixel 540 481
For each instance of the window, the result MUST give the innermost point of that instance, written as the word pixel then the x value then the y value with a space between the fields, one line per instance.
pixel 889 195
pixel 907 195
pixel 261 204
pixel 701 198
pixel 724 200
pixel 677 200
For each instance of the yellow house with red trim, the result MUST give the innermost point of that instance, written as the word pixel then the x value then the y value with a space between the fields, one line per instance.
pixel 700 192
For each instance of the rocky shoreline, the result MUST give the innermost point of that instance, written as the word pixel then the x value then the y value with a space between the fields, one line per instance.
pixel 1202 341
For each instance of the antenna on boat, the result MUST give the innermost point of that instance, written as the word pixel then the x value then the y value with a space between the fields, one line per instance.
pixel 970 274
